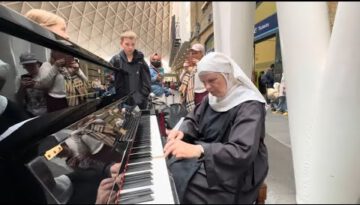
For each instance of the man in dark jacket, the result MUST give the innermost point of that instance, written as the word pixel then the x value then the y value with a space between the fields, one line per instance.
pixel 262 86
pixel 268 78
pixel 137 79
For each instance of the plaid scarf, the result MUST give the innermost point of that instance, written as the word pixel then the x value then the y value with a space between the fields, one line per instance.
pixel 188 81
pixel 76 88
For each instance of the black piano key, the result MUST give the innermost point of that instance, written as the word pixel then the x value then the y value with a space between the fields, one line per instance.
pixel 137 183
pixel 145 173
pixel 143 159
pixel 139 155
pixel 145 119
pixel 142 140
pixel 134 194
pixel 137 199
pixel 143 133
pixel 139 167
pixel 134 122
pixel 142 143
pixel 141 149
pixel 138 176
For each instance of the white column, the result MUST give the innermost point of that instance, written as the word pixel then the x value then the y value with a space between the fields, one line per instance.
pixel 336 167
pixel 304 33
pixel 185 27
pixel 234 32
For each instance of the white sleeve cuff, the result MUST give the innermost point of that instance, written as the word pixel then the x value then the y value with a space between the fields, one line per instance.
pixel 3 104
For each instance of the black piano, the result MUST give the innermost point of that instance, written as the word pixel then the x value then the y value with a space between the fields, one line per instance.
pixel 61 157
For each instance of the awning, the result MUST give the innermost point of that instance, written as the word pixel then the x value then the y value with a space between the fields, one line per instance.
pixel 180 56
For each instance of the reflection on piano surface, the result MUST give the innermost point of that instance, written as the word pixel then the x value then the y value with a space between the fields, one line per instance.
pixel 112 136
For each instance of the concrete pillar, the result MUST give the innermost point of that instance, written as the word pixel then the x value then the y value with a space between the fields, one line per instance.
pixel 304 34
pixel 336 177
pixel 234 32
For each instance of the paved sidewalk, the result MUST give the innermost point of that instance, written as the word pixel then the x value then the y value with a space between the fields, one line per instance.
pixel 280 180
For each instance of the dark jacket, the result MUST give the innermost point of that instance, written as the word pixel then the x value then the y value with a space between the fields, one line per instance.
pixel 137 78
pixel 262 85
pixel 268 78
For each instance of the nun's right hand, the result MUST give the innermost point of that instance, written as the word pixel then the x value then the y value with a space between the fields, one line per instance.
pixel 175 135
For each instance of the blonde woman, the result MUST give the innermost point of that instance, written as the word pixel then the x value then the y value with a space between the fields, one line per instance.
pixel 64 90
pixel 49 20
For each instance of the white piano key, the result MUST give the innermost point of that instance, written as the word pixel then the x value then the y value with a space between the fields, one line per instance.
pixel 156 144
pixel 161 181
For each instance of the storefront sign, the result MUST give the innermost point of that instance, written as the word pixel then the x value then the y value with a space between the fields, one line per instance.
pixel 266 27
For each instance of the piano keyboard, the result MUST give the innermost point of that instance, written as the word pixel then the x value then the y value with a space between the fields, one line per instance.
pixel 146 179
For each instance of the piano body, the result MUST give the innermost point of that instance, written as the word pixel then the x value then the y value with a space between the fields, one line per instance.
pixel 65 154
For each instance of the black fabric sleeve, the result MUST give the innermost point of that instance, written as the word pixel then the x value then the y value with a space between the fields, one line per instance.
pixel 146 79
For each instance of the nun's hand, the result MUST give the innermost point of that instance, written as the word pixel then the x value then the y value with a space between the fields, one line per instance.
pixel 175 135
pixel 181 149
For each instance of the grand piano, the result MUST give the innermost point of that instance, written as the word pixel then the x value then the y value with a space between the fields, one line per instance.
pixel 62 157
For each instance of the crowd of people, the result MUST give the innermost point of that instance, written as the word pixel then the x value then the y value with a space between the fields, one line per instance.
pixel 273 92
pixel 218 154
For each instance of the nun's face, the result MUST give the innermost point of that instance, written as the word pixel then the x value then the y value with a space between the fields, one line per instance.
pixel 215 83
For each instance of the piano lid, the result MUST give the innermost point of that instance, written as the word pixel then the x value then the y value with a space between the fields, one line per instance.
pixel 17 25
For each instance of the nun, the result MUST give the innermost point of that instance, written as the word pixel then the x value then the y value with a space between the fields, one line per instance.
pixel 218 154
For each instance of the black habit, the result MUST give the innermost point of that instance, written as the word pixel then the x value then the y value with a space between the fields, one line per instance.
pixel 235 161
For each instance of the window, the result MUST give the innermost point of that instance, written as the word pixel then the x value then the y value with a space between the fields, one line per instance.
pixel 209 44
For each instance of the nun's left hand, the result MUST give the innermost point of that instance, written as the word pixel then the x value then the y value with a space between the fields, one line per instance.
pixel 181 149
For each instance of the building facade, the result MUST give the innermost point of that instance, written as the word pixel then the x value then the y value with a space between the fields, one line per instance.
pixel 202 24
pixel 266 35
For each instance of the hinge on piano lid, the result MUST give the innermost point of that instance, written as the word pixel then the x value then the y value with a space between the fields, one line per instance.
pixel 51 153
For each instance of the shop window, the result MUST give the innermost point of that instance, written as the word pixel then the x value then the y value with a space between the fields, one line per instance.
pixel 209 44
